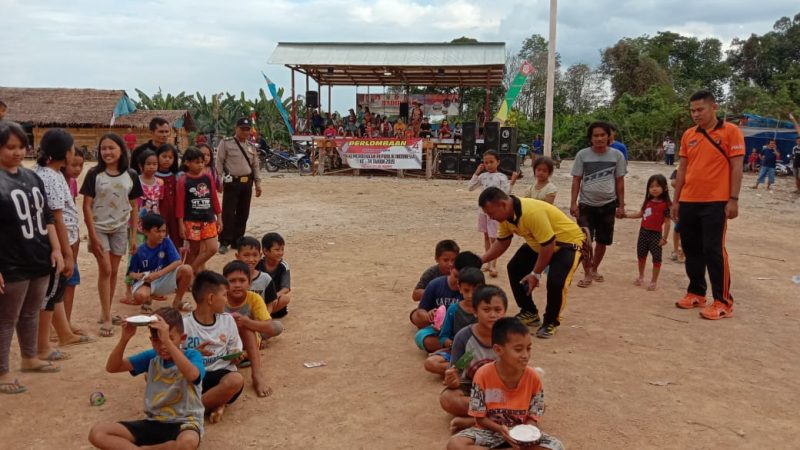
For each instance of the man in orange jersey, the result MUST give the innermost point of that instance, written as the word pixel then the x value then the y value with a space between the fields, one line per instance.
pixel 706 196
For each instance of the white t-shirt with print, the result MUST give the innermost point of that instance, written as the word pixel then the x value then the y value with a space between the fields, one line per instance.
pixel 60 199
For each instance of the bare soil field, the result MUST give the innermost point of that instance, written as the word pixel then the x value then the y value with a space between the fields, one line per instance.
pixel 626 370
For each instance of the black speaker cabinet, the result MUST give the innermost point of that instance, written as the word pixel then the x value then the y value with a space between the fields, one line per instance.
pixel 467 165
pixel 491 136
pixel 404 111
pixel 448 163
pixel 312 99
pixel 509 161
pixel 479 149
pixel 508 140
pixel 469 130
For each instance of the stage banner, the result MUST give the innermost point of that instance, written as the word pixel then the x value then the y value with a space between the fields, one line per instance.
pixel 389 104
pixel 381 153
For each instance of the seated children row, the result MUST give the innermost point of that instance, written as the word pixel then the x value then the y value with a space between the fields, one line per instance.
pixel 186 381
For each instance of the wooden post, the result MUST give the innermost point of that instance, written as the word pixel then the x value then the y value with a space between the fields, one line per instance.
pixel 329 101
pixel 294 106
pixel 428 159
pixel 308 111
pixel 550 89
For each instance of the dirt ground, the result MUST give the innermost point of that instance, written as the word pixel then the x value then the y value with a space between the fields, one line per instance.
pixel 626 370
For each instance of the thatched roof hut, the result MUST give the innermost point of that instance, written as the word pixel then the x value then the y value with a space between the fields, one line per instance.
pixel 87 114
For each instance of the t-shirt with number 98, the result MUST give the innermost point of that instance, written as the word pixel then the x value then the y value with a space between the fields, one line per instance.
pixel 24 217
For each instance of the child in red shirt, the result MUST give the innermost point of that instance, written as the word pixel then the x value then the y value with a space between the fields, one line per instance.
pixel 198 211
pixel 654 230
pixel 505 393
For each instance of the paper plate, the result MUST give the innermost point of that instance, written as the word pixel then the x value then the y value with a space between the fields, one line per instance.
pixel 140 320
pixel 525 434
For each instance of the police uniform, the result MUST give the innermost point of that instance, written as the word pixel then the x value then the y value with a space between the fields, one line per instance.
pixel 239 163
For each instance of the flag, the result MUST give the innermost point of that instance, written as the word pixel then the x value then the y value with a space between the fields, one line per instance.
pixel 253 131
pixel 124 107
pixel 513 91
pixel 278 103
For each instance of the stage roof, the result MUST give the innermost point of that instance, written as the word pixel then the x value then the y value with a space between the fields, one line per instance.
pixel 395 64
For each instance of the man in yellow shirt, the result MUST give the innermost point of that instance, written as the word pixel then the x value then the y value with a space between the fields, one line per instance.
pixel 551 239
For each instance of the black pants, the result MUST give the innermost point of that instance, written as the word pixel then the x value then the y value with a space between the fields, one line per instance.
pixel 562 266
pixel 235 211
pixel 703 227
pixel 670 159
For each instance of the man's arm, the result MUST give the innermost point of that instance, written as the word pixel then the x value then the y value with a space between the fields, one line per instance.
pixel 732 208
pixel 220 159
pixel 573 195
pixel 498 248
pixel 680 178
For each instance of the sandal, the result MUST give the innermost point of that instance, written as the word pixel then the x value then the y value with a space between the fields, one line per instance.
pixel 56 355
pixel 128 301
pixel 12 388
pixel 106 331
pixel 493 273
pixel 115 320
pixel 146 309
pixel 597 277
pixel 83 339
pixel 48 367
pixel 584 283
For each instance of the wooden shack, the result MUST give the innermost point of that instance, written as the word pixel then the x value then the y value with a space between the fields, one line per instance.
pixel 88 114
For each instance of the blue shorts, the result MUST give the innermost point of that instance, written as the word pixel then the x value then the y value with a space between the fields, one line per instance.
pixel 419 338
pixel 677 228
pixel 444 354
pixel 75 279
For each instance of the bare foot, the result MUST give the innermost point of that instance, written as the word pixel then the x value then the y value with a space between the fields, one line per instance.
pixel 260 386
pixel 651 286
pixel 638 282
pixel 461 423
pixel 216 414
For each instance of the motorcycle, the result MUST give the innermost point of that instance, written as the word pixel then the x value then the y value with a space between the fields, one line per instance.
pixel 782 169
pixel 274 161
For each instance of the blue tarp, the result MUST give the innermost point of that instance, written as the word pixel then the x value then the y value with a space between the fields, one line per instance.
pixel 758 131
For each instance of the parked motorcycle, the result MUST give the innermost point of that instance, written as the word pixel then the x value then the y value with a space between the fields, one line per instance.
pixel 782 169
pixel 274 161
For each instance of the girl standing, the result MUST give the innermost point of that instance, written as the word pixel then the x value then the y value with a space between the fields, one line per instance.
pixel 654 230
pixel 168 172
pixel 488 175
pixel 198 210
pixel 30 252
pixel 110 192
pixel 543 189
pixel 71 172
pixel 210 167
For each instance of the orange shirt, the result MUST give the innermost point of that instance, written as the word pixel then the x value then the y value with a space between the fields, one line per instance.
pixel 708 172
pixel 491 398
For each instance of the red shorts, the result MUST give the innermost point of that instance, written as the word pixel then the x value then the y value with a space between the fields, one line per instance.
pixel 200 231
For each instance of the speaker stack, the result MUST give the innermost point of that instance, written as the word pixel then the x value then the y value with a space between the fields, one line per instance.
pixel 509 157
pixel 404 111
pixel 448 163
pixel 468 133
pixel 312 99
pixel 491 136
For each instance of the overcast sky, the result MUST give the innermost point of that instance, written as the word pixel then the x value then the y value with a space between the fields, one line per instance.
pixel 211 46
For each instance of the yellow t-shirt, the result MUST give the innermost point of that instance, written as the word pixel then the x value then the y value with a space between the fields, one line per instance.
pixel 252 307
pixel 539 223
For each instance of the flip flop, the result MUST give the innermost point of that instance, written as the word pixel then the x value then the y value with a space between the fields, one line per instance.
pixel 146 309
pixel 106 331
pixel 12 388
pixel 49 367
pixel 82 340
pixel 493 273
pixel 158 298
pixel 56 355
pixel 597 277
pixel 584 283
pixel 115 320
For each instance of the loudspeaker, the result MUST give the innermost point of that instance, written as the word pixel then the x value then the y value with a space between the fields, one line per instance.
pixel 508 140
pixel 479 149
pixel 467 165
pixel 509 162
pixel 404 111
pixel 491 136
pixel 448 163
pixel 312 99
pixel 468 133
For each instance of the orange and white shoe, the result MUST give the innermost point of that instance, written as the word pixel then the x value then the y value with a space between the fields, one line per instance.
pixel 690 301
pixel 717 310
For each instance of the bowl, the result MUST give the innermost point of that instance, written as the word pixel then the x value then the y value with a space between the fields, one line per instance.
pixel 525 434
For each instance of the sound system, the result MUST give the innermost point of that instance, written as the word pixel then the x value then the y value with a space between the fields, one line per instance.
pixel 468 133
pixel 312 99
pixel 509 161
pixel 448 163
pixel 479 149
pixel 491 136
pixel 508 140
pixel 404 110
pixel 468 164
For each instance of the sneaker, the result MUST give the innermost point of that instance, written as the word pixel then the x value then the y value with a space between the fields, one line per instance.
pixel 690 301
pixel 530 319
pixel 546 331
pixel 717 310
pixel 223 249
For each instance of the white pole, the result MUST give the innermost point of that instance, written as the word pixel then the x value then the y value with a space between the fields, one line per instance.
pixel 551 82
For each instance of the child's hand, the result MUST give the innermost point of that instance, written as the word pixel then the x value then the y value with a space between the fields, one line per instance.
pixel 481 168
pixel 431 315
pixel 182 232
pixel 663 241
pixel 219 225
pixel 514 177
pixel 128 331
pixel 57 261
pixel 95 247
pixel 203 350
pixel 451 377
pixel 162 327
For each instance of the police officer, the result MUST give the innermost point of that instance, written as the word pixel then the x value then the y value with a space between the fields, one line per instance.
pixel 237 160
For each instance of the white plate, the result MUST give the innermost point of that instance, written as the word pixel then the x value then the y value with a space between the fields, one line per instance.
pixel 140 320
pixel 525 434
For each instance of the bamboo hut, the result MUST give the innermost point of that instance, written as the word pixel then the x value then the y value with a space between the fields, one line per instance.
pixel 88 114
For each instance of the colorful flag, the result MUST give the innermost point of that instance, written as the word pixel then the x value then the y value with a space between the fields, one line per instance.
pixel 278 103
pixel 513 91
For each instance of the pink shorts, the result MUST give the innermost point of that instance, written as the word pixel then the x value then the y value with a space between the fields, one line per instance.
pixel 487 225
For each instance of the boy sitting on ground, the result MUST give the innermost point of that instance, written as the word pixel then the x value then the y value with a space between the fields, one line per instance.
pixel 172 393
pixel 249 252
pixel 277 295
pixel 458 316
pixel 156 267
pixel 252 319
pixel 472 348
pixel 214 334
pixel 445 253
pixel 505 393
pixel 441 291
